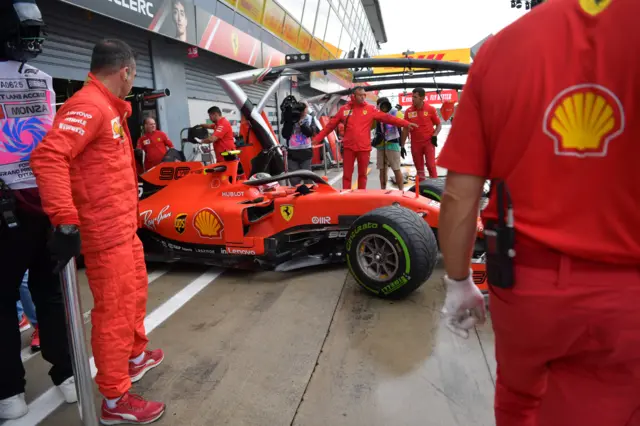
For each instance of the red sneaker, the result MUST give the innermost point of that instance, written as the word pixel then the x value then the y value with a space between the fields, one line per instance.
pixel 35 339
pixel 151 360
pixel 24 324
pixel 131 409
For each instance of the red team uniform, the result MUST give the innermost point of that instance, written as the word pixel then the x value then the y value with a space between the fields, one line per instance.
pixel 551 106
pixel 226 141
pixel 155 146
pixel 422 150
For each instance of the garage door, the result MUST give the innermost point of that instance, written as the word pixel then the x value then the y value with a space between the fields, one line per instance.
pixel 71 34
pixel 201 80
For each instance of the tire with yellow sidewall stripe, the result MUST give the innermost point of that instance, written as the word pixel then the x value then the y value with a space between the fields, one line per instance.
pixel 391 251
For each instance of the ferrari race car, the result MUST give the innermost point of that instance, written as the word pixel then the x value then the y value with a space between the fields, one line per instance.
pixel 236 213
pixel 196 213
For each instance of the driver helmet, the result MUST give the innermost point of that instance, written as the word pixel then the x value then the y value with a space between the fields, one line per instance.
pixel 267 187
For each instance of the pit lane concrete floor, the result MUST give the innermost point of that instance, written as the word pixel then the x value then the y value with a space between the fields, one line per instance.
pixel 305 348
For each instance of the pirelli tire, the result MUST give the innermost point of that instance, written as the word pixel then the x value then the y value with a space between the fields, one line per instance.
pixel 391 251
pixel 432 188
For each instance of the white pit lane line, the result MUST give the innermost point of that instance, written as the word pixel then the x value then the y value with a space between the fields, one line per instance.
pixel 26 353
pixel 46 403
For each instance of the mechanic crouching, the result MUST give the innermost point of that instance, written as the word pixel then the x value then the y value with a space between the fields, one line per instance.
pixel 358 117
pixel 563 265
pixel 85 170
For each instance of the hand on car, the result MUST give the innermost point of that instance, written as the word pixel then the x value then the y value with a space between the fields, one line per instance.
pixel 464 306
pixel 64 245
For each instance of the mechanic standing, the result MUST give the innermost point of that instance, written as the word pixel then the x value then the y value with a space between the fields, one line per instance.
pixel 567 328
pixel 86 174
pixel 222 137
pixel 424 138
pixel 358 117
pixel 24 227
pixel 155 144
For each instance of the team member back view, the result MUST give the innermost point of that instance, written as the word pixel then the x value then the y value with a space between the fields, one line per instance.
pixel 548 117
pixel 86 173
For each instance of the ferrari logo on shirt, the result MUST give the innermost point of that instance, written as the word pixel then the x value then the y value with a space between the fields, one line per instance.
pixel 116 127
pixel 347 112
pixel 582 120
pixel 594 7
pixel 286 210
pixel 146 142
pixel 426 113
pixel 364 112
pixel 158 139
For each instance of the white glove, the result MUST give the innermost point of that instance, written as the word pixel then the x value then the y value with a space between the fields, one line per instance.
pixel 464 305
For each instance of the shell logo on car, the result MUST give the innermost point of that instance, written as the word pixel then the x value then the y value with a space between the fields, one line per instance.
pixel 208 224
pixel 582 120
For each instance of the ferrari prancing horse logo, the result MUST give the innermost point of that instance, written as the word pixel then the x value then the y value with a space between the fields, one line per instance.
pixel 286 210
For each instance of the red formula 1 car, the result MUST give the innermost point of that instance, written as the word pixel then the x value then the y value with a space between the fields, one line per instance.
pixel 201 213
pixel 204 214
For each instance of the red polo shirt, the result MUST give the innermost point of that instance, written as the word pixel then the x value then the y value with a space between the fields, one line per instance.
pixel 549 116
pixel 426 118
pixel 226 141
pixel 155 146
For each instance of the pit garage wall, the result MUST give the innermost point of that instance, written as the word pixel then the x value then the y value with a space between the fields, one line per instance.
pixel 204 91
pixel 71 35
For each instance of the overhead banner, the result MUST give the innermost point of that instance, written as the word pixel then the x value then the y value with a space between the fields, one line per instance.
pixel 455 55
pixel 253 9
pixel 273 18
pixel 430 97
pixel 272 57
pixel 217 36
pixel 171 18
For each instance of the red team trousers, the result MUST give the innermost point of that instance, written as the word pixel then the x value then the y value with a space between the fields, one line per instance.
pixel 424 152
pixel 567 339
pixel 349 157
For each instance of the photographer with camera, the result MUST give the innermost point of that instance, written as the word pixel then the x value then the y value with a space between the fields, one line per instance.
pixel 24 227
pixel 298 130
pixel 388 147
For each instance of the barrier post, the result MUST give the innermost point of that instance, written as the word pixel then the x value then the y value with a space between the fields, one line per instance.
pixel 75 328
pixel 325 153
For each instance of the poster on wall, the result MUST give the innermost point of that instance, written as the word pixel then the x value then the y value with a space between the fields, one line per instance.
pixel 172 18
pixel 217 36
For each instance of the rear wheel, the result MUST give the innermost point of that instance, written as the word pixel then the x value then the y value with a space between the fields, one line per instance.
pixel 391 251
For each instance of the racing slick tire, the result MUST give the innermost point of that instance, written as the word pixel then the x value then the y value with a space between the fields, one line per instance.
pixel 433 188
pixel 391 251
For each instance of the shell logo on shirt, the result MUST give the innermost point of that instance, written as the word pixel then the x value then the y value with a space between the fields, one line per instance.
pixel 413 114
pixel 208 224
pixel 594 7
pixel 582 120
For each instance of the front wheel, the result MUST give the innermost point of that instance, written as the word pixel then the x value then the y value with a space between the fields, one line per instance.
pixel 391 252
